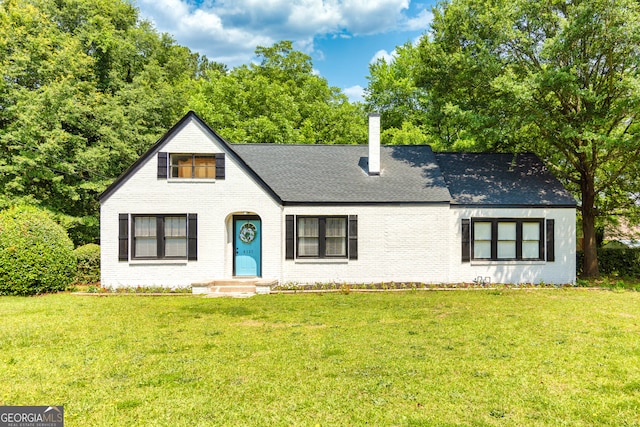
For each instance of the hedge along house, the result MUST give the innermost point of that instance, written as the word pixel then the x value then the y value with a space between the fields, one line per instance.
pixel 195 208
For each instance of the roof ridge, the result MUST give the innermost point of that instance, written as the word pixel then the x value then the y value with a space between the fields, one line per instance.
pixel 271 144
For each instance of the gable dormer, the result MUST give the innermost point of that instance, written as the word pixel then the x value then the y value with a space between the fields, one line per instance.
pixel 177 158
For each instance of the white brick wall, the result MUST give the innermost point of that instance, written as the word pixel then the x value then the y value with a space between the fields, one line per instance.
pixel 395 243
pixel 423 243
pixel 561 271
pixel 215 202
pixel 402 243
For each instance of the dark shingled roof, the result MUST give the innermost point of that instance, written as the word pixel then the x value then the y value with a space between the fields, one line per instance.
pixel 325 174
pixel 338 173
pixel 501 179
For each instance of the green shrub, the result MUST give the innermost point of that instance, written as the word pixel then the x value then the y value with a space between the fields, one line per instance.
pixel 36 254
pixel 88 257
pixel 622 262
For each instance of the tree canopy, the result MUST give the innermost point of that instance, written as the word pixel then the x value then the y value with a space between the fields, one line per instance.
pixel 88 87
pixel 560 78
pixel 393 92
pixel 278 100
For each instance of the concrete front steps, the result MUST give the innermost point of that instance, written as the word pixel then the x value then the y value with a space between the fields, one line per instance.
pixel 239 288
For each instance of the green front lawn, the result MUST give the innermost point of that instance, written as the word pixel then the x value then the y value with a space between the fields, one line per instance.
pixel 548 357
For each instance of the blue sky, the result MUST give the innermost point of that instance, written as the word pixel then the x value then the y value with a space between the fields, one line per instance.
pixel 342 36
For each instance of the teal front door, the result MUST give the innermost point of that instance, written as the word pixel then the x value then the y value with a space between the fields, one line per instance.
pixel 247 245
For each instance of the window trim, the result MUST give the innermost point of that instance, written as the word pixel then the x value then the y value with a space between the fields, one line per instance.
pixel 160 237
pixel 518 241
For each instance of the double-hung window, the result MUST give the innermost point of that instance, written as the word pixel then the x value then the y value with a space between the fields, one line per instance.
pixel 322 237
pixel 507 239
pixel 314 237
pixel 150 236
pixel 159 236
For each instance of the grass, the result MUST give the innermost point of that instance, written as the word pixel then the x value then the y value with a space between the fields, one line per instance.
pixel 613 282
pixel 456 358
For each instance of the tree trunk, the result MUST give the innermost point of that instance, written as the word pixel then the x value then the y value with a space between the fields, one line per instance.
pixel 590 246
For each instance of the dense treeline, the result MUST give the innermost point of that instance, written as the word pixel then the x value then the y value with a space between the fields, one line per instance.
pixel 88 86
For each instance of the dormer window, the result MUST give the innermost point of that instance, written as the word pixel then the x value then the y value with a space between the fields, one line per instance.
pixel 191 166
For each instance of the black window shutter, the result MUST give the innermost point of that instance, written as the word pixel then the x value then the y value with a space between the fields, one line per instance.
pixel 466 240
pixel 192 229
pixel 123 237
pixel 162 165
pixel 353 236
pixel 289 237
pixel 220 166
pixel 160 236
pixel 551 252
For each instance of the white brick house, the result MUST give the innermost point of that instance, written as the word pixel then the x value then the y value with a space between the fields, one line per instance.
pixel 195 208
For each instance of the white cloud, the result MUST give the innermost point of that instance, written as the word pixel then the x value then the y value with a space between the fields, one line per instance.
pixel 305 45
pixel 162 13
pixel 229 30
pixel 365 17
pixel 383 54
pixel 354 93
pixel 420 22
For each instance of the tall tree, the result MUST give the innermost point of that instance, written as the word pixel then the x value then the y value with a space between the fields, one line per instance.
pixel 278 100
pixel 86 88
pixel 561 78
